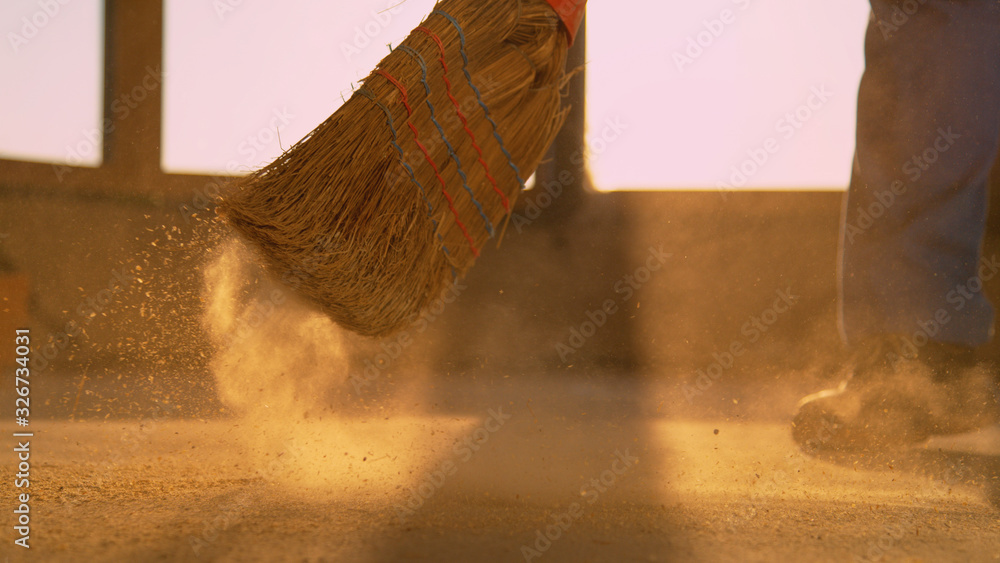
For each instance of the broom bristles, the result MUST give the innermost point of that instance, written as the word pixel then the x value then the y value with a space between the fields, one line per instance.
pixel 383 205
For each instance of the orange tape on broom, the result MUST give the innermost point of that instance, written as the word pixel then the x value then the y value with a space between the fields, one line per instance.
pixel 571 13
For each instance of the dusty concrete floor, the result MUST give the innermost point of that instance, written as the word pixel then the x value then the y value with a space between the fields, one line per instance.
pixel 346 489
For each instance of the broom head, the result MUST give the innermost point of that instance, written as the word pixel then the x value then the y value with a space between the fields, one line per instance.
pixel 379 209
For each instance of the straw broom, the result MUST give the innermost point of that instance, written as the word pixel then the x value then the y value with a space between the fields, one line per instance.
pixel 379 209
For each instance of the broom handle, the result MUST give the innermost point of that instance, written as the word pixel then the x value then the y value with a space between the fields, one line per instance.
pixel 571 13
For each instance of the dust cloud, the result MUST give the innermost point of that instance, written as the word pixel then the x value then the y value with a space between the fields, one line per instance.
pixel 284 368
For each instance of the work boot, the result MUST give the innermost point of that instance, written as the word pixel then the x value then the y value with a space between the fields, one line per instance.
pixel 898 395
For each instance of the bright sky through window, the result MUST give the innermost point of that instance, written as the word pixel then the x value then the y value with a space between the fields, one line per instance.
pixel 52 64
pixel 717 94
pixel 241 74
pixel 723 93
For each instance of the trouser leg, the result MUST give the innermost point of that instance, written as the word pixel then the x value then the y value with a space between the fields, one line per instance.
pixel 915 213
